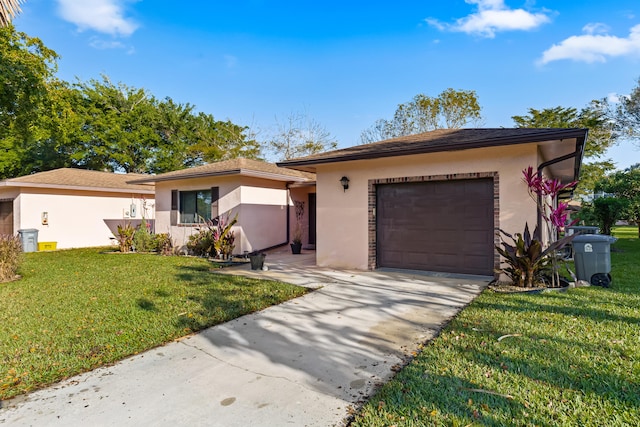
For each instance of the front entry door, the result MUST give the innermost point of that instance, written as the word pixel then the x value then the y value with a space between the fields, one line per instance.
pixel 312 218
pixel 6 217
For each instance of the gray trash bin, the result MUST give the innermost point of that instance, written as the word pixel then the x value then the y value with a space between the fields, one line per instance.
pixel 592 256
pixel 29 239
pixel 586 229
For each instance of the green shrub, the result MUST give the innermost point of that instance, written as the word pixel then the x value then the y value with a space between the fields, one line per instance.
pixel 201 243
pixel 163 243
pixel 10 257
pixel 215 238
pixel 143 240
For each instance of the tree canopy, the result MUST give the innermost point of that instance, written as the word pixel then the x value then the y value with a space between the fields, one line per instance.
pixel 46 123
pixel 602 134
pixel 625 186
pixel 451 109
pixel 27 68
pixel 627 114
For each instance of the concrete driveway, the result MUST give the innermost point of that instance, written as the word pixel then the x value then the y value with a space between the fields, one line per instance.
pixel 306 362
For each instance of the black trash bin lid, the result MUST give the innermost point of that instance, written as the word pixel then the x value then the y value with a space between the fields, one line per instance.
pixel 594 238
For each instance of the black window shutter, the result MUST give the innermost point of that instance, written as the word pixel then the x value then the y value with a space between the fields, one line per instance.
pixel 174 200
pixel 215 195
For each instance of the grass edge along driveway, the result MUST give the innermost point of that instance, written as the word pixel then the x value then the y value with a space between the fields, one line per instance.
pixel 550 359
pixel 76 310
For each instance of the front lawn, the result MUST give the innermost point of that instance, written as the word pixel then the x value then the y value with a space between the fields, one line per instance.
pixel 549 359
pixel 76 310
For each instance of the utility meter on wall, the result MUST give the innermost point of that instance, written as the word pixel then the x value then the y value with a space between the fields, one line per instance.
pixel 132 210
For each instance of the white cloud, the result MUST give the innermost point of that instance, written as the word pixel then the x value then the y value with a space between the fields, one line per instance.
pixel 105 44
pixel 613 98
pixel 596 28
pixel 593 47
pixel 493 16
pixel 103 16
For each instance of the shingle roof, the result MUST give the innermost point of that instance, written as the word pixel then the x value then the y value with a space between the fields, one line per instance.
pixel 238 166
pixel 82 179
pixel 435 141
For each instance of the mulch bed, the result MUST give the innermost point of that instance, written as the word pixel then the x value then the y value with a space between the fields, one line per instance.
pixel 508 288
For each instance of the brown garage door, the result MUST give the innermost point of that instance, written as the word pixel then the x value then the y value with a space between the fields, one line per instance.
pixel 444 226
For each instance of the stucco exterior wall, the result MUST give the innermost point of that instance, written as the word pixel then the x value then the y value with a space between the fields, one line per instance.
pixel 259 203
pixel 300 194
pixel 75 218
pixel 343 239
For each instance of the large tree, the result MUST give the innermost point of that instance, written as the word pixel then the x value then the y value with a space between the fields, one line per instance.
pixel 602 134
pixel 299 135
pixel 217 140
pixel 627 114
pixel 27 68
pixel 451 109
pixel 121 128
pixel 8 10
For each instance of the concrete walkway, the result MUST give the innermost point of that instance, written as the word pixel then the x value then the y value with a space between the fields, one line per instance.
pixel 302 363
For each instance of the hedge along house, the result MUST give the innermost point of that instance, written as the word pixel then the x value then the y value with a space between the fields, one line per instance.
pixel 260 193
pixel 73 206
pixel 433 201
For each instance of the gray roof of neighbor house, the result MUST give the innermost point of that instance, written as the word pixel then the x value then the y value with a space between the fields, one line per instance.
pixel 81 179
pixel 245 167
pixel 573 141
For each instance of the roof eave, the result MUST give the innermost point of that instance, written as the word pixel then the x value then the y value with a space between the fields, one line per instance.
pixel 308 165
pixel 79 188
pixel 241 172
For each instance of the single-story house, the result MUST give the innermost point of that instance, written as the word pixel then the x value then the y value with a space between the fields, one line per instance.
pixel 433 201
pixel 260 193
pixel 72 207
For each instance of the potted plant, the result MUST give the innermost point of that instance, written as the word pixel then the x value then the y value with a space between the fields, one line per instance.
pixel 257 260
pixel 296 242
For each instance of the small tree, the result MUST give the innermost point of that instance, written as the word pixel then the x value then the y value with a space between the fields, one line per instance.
pixel 609 210
pixel 624 185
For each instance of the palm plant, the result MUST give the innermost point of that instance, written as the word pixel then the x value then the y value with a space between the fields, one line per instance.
pixel 8 10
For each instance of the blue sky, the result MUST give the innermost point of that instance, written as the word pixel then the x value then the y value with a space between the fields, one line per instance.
pixel 347 64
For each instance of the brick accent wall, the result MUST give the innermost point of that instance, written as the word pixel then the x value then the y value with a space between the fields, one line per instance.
pixel 373 261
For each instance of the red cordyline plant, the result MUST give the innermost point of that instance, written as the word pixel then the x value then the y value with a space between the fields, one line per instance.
pixel 545 193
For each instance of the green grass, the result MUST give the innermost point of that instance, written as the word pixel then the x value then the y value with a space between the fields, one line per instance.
pixel 625 232
pixel 76 310
pixel 552 359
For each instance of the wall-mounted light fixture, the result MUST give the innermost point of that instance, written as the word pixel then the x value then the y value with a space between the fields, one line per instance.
pixel 345 182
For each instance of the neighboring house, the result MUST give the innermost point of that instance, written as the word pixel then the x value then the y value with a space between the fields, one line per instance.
pixel 70 206
pixel 433 201
pixel 259 193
